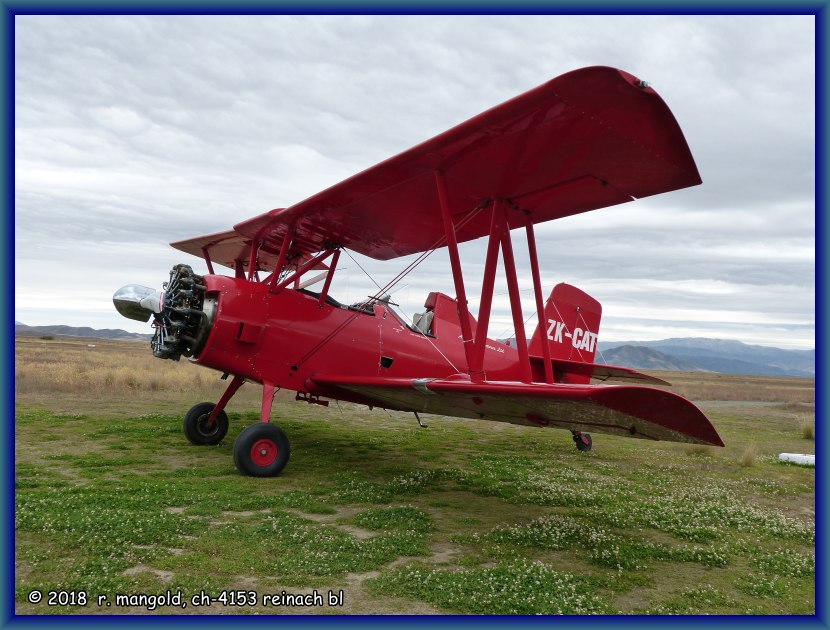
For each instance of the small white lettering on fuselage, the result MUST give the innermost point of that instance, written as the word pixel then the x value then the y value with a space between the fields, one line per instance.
pixel 581 339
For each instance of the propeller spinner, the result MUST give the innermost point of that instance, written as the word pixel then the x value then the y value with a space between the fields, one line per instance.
pixel 136 302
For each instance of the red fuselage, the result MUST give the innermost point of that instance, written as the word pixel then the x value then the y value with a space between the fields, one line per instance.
pixel 285 337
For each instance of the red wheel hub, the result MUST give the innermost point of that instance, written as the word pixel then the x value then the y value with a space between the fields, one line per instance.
pixel 264 452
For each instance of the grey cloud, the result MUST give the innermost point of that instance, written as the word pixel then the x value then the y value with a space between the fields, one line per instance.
pixel 134 131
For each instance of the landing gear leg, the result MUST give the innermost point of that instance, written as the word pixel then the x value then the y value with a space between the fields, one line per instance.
pixel 262 449
pixel 583 440
pixel 206 423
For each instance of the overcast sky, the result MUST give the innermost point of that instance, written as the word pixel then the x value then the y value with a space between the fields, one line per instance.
pixel 133 132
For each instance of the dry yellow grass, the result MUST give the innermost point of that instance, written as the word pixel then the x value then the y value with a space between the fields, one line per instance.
pixel 124 368
pixel 707 386
pixel 698 449
pixel 808 429
pixel 750 456
pixel 100 367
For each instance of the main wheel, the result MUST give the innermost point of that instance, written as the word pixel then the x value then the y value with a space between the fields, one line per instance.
pixel 196 428
pixel 261 450
pixel 583 441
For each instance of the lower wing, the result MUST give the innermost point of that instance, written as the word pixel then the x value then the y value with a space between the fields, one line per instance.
pixel 632 411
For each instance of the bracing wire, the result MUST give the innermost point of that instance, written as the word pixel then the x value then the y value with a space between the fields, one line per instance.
pixel 368 275
pixel 440 242
pixel 408 319
pixel 509 328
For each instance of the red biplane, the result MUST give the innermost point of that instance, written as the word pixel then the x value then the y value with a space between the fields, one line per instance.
pixel 588 139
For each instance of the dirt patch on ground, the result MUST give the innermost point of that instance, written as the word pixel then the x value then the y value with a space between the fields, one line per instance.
pixel 163 576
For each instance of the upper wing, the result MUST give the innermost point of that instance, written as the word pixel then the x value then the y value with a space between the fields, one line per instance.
pixel 590 138
pixel 232 249
pixel 627 410
pixel 229 248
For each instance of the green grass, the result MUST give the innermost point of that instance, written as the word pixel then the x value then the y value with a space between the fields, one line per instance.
pixel 517 587
pixel 463 517
pixel 403 518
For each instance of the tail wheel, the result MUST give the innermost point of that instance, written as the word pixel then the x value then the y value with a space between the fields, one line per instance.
pixel 261 450
pixel 197 429
pixel 583 441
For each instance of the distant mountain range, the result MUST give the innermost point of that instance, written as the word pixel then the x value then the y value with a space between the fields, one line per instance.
pixel 708 355
pixel 692 354
pixel 642 358
pixel 73 331
pixel 702 354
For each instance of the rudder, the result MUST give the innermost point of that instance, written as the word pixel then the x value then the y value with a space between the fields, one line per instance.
pixel 571 325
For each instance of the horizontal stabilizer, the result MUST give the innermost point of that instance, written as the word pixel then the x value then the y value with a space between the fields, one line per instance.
pixel 605 372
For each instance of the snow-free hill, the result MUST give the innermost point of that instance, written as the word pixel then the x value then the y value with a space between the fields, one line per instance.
pixel 720 355
pixel 75 331
pixel 645 359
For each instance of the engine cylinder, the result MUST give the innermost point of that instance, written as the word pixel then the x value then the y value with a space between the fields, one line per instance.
pixel 186 317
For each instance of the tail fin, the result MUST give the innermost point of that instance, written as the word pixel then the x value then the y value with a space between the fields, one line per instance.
pixel 572 325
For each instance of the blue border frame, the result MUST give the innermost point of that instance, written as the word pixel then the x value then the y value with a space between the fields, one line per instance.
pixel 9 8
pixel 822 380
pixel 7 319
pixel 406 7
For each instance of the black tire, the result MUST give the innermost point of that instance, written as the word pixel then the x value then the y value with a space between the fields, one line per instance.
pixel 196 429
pixel 261 450
pixel 583 441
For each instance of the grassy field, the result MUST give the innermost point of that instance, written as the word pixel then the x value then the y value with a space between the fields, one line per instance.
pixel 461 517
